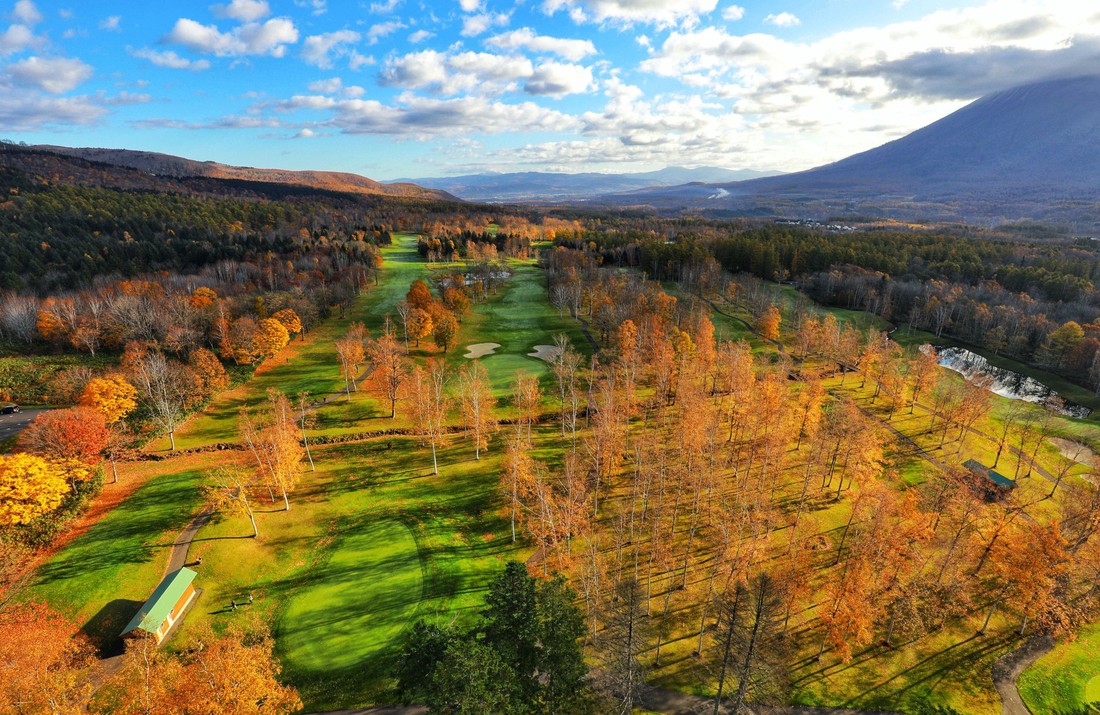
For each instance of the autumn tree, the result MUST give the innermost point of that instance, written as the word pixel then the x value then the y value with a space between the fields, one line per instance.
pixel 430 403
pixel 517 472
pixel 444 329
pixel 45 662
pixel 227 492
pixel 477 403
pixel 163 388
pixel 419 324
pixel 272 438
pixel 236 672
pixel 389 368
pixel 271 337
pixel 209 375
pixel 111 395
pixel 78 433
pixel 768 323
pixel 289 320
pixel 31 486
pixel 350 351
pixel 527 399
pixel 419 295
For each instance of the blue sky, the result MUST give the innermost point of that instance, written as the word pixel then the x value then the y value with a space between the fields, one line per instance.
pixel 404 88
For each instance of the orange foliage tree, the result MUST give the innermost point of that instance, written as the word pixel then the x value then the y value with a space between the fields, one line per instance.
pixel 112 396
pixel 74 433
pixel 289 320
pixel 44 662
pixel 209 375
pixel 271 337
pixel 768 323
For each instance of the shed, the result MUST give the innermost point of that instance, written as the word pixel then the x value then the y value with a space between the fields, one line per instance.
pixel 999 480
pixel 164 607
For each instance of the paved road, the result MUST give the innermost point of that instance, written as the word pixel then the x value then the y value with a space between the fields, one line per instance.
pixel 11 425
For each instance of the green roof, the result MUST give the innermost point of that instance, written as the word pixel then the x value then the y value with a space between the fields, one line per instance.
pixel 161 603
pixel 998 479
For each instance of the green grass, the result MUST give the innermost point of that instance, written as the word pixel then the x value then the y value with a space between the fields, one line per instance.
pixel 1067 677
pixel 308 365
pixel 372 542
pixel 361 600
pixel 102 577
pixel 519 316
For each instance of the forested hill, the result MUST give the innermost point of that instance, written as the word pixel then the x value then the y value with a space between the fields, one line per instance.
pixel 66 220
pixel 166 165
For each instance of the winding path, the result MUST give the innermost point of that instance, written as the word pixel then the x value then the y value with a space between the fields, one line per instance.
pixel 1009 667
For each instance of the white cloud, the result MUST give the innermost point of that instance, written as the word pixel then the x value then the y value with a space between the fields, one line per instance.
pixel 526 39
pixel 54 75
pixel 478 73
pixel 733 13
pixel 470 5
pixel 268 38
pixel 476 24
pixel 319 7
pixel 21 111
pixel 319 49
pixel 16 39
pixel 111 24
pixel 357 60
pixel 125 99
pixel 783 19
pixel 26 12
pixel 556 79
pixel 326 86
pixel 383 29
pixel 170 59
pixel 385 7
pixel 420 35
pixel 663 13
pixel 305 133
pixel 243 10
pixel 424 118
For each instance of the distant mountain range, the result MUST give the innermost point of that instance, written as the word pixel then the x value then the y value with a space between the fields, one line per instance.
pixel 1031 152
pixel 174 167
pixel 537 186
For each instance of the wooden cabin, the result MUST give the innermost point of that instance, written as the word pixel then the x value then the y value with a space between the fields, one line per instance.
pixel 164 607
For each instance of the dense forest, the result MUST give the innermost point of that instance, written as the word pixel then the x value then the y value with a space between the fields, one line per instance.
pixel 1034 300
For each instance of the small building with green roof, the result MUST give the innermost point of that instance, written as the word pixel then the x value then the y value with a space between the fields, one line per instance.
pixel 999 480
pixel 164 607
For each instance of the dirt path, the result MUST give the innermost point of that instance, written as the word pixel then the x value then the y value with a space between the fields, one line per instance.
pixel 587 334
pixel 1008 669
pixel 182 545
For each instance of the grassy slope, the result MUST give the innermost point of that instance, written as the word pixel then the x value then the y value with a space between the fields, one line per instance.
pixel 1067 677
pixel 101 578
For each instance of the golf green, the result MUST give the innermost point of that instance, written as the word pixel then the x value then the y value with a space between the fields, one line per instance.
pixel 358 602
pixel 1092 690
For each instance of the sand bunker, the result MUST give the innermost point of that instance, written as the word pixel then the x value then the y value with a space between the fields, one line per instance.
pixel 1074 450
pixel 480 350
pixel 549 353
